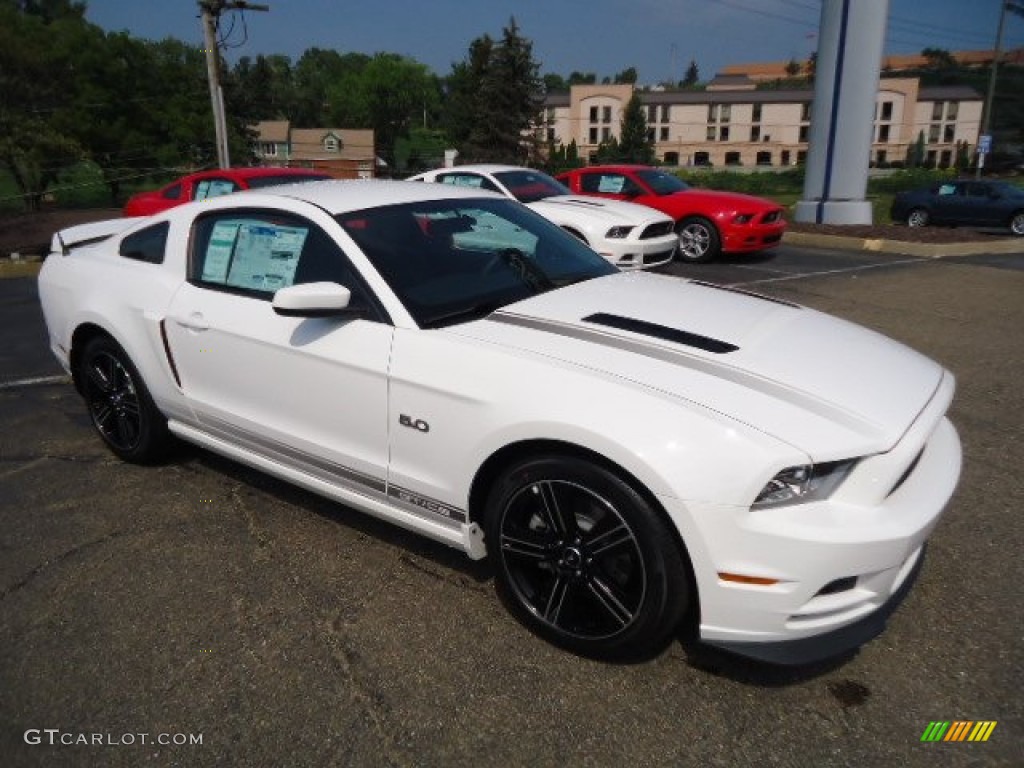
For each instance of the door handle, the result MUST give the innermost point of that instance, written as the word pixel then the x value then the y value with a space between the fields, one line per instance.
pixel 195 322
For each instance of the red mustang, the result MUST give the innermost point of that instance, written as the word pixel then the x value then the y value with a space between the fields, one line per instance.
pixel 206 184
pixel 708 223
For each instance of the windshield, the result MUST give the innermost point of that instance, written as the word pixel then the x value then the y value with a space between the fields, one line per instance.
pixel 529 186
pixel 662 183
pixel 451 261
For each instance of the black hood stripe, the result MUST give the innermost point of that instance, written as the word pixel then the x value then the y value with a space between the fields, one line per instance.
pixel 664 332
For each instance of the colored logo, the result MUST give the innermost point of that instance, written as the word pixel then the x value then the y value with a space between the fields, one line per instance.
pixel 959 730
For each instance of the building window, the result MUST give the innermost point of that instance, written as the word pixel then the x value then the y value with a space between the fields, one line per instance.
pixel 785 157
pixel 948 132
pixel 701 158
pixel 805 112
pixel 725 113
pixel 663 136
pixel 665 113
pixel 931 158
pixel 755 133
pixel 606 114
pixel 933 133
pixel 711 133
pixel 804 130
pixel 952 108
pixel 671 158
pixel 606 133
pixel 551 134
pixel 883 134
pixel 764 158
pixel 723 133
pixel 733 158
pixel 886 110
pixel 268 149
pixel 712 113
pixel 945 158
pixel 755 114
pixel 650 134
pixel 593 114
pixel 881 158
pixel 331 143
pixel 593 135
pixel 937 110
pixel 652 113
pixel 801 157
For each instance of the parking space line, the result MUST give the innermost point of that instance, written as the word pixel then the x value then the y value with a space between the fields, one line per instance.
pixel 18 383
pixel 845 270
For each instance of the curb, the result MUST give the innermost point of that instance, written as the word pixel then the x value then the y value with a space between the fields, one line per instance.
pixel 902 247
pixel 19 268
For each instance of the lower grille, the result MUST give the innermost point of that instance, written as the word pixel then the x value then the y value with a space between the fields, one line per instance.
pixel 657 230
pixel 657 258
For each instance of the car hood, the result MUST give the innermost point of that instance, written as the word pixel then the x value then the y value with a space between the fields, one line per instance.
pixel 609 212
pixel 726 199
pixel 828 387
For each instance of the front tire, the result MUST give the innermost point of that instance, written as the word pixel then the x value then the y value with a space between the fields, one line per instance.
pixel 1017 223
pixel 583 560
pixel 120 406
pixel 918 218
pixel 699 240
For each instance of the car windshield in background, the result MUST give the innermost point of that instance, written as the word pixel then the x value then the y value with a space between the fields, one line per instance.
pixel 258 182
pixel 662 183
pixel 451 261
pixel 1008 190
pixel 530 186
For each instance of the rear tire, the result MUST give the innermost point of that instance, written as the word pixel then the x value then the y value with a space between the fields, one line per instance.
pixel 583 560
pixel 120 406
pixel 918 218
pixel 699 240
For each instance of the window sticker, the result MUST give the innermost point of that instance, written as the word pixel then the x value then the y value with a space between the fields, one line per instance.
pixel 265 256
pixel 463 181
pixel 611 185
pixel 947 189
pixel 218 252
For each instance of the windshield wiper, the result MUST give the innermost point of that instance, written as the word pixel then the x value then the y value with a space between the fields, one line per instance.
pixel 481 309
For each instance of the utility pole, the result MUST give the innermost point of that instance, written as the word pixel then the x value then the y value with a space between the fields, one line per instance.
pixel 990 97
pixel 209 12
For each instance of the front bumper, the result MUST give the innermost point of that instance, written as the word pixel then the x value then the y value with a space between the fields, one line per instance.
pixel 750 238
pixel 630 253
pixel 835 569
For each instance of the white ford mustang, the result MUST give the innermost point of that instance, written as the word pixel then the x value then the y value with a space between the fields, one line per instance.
pixel 628 235
pixel 634 451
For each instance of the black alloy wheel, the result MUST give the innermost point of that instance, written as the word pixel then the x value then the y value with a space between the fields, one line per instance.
pixel 119 403
pixel 583 559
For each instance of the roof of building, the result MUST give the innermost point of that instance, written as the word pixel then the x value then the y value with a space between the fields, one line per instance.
pixel 272 130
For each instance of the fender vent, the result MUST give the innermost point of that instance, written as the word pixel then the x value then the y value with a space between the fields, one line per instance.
pixel 661 332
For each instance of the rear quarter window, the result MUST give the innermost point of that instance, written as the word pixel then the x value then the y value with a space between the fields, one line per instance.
pixel 147 244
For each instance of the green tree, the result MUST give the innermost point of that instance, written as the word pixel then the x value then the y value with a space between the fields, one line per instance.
pixel 582 78
pixel 554 83
pixel 692 76
pixel 635 146
pixel 462 88
pixel 627 76
pixel 793 68
pixel 939 58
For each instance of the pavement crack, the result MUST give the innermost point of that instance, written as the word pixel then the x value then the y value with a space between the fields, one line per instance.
pixel 56 561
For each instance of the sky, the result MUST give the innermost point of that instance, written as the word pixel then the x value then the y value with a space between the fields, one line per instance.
pixel 658 37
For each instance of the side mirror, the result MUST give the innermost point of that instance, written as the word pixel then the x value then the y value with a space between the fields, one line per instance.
pixel 313 300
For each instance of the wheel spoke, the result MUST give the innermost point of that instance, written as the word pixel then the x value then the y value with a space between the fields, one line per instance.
pixel 556 598
pixel 101 412
pixel 617 535
pixel 98 378
pixel 552 510
pixel 608 600
pixel 522 547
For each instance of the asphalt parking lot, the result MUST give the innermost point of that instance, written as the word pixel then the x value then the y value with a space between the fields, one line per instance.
pixel 201 598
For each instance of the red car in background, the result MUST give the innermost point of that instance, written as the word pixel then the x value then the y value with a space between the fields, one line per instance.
pixel 708 222
pixel 206 184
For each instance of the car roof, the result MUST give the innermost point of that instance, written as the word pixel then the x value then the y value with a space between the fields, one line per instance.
pixel 486 168
pixel 618 167
pixel 340 196
pixel 251 173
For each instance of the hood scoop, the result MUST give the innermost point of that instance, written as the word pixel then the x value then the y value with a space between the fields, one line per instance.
pixel 662 332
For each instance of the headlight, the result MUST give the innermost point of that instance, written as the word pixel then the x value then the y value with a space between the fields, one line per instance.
pixel 798 485
pixel 742 218
pixel 618 233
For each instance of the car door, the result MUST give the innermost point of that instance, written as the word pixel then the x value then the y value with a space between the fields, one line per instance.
pixel 307 392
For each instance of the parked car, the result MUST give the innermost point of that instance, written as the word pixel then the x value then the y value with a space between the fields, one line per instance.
pixel 633 450
pixel 627 235
pixel 708 223
pixel 206 184
pixel 962 203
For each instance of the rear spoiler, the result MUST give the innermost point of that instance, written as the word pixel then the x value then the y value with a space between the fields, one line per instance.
pixel 66 240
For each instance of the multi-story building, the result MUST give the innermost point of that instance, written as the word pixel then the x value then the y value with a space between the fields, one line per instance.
pixel 732 123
